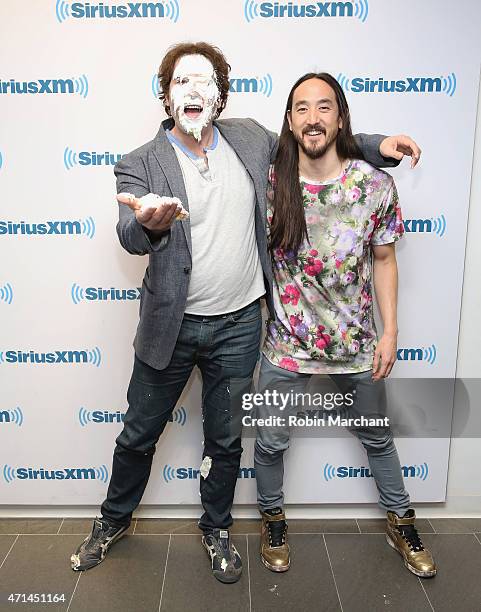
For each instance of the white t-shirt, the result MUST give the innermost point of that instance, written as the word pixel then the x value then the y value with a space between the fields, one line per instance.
pixel 226 269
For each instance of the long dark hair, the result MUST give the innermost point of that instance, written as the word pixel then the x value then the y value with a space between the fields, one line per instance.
pixel 288 228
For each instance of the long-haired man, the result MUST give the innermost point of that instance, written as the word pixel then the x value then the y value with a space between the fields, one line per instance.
pixel 333 222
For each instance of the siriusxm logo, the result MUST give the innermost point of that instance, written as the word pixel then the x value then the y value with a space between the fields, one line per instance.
pixel 82 227
pixel 167 9
pixel 262 85
pixel 343 471
pixel 87 356
pixel 89 158
pixel 85 417
pixel 29 473
pixel 6 293
pixel 189 473
pixel 75 85
pixel 14 416
pixel 414 84
pixel 258 85
pixel 359 9
pixel 99 294
pixel 428 354
pixel 435 225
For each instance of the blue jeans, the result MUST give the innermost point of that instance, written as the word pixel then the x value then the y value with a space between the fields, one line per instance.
pixel 370 401
pixel 226 349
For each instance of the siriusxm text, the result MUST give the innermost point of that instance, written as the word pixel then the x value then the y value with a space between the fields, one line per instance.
pixel 48 228
pixel 129 10
pixel 40 86
pixel 408 85
pixel 29 473
pixel 51 357
pixel 317 9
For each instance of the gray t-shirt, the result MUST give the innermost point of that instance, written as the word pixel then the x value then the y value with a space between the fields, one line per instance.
pixel 226 270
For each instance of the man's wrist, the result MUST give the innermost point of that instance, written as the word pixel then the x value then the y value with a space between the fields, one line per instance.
pixel 390 332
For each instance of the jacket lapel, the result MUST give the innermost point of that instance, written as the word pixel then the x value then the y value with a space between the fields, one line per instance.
pixel 169 164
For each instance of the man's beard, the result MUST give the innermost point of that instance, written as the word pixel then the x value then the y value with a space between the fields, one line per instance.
pixel 315 151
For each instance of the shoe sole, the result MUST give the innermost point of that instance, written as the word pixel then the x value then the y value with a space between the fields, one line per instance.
pixel 75 561
pixel 275 568
pixel 408 566
pixel 220 576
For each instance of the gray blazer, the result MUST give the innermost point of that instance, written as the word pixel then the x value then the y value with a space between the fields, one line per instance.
pixel 154 168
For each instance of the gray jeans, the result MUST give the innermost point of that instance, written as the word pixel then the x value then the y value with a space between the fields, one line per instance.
pixel 369 401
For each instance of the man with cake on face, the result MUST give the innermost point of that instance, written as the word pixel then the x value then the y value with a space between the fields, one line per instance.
pixel 194 200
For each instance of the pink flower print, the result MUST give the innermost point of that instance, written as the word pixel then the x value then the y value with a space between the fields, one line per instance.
pixel 291 295
pixel 289 364
pixel 354 194
pixel 323 341
pixel 313 252
pixel 313 266
pixel 338 263
pixel 314 188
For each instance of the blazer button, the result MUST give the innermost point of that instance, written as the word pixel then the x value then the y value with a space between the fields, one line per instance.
pixel 187 270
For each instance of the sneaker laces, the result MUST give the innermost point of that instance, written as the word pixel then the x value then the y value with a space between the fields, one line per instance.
pixel 277 532
pixel 223 547
pixel 410 534
pixel 99 534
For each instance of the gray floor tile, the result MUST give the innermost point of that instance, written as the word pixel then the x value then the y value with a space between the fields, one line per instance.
pixel 323 526
pixel 371 577
pixel 129 580
pixel 379 525
pixel 32 525
pixel 83 526
pixel 457 525
pixel 457 585
pixel 39 564
pixel 166 526
pixel 300 526
pixel 246 526
pixel 308 585
pixel 6 542
pixel 190 585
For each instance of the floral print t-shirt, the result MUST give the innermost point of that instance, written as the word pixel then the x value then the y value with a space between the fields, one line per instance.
pixel 323 294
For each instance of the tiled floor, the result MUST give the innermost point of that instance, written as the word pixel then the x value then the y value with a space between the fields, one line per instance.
pixel 344 565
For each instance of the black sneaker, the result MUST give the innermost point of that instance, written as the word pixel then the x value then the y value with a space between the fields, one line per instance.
pixel 93 549
pixel 226 561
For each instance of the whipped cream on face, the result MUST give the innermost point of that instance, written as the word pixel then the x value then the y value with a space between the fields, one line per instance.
pixel 194 89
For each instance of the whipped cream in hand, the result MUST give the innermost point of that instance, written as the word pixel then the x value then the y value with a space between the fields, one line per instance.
pixel 152 201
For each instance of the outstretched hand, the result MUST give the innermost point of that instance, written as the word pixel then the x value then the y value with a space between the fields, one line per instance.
pixel 399 146
pixel 155 213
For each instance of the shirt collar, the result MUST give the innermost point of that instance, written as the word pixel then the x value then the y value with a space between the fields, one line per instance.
pixel 187 151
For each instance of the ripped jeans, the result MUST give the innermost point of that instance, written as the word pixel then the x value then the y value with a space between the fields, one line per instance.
pixel 226 349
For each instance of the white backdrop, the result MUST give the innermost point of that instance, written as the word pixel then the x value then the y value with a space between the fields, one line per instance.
pixel 89 98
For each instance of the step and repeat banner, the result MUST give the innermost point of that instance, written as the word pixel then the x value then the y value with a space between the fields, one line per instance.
pixel 78 90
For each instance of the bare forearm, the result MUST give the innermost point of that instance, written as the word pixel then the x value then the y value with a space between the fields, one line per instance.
pixel 385 285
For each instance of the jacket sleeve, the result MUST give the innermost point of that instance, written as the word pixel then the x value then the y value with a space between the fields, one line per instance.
pixel 273 140
pixel 369 145
pixel 132 178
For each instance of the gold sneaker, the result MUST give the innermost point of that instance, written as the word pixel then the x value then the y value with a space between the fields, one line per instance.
pixel 402 535
pixel 274 546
